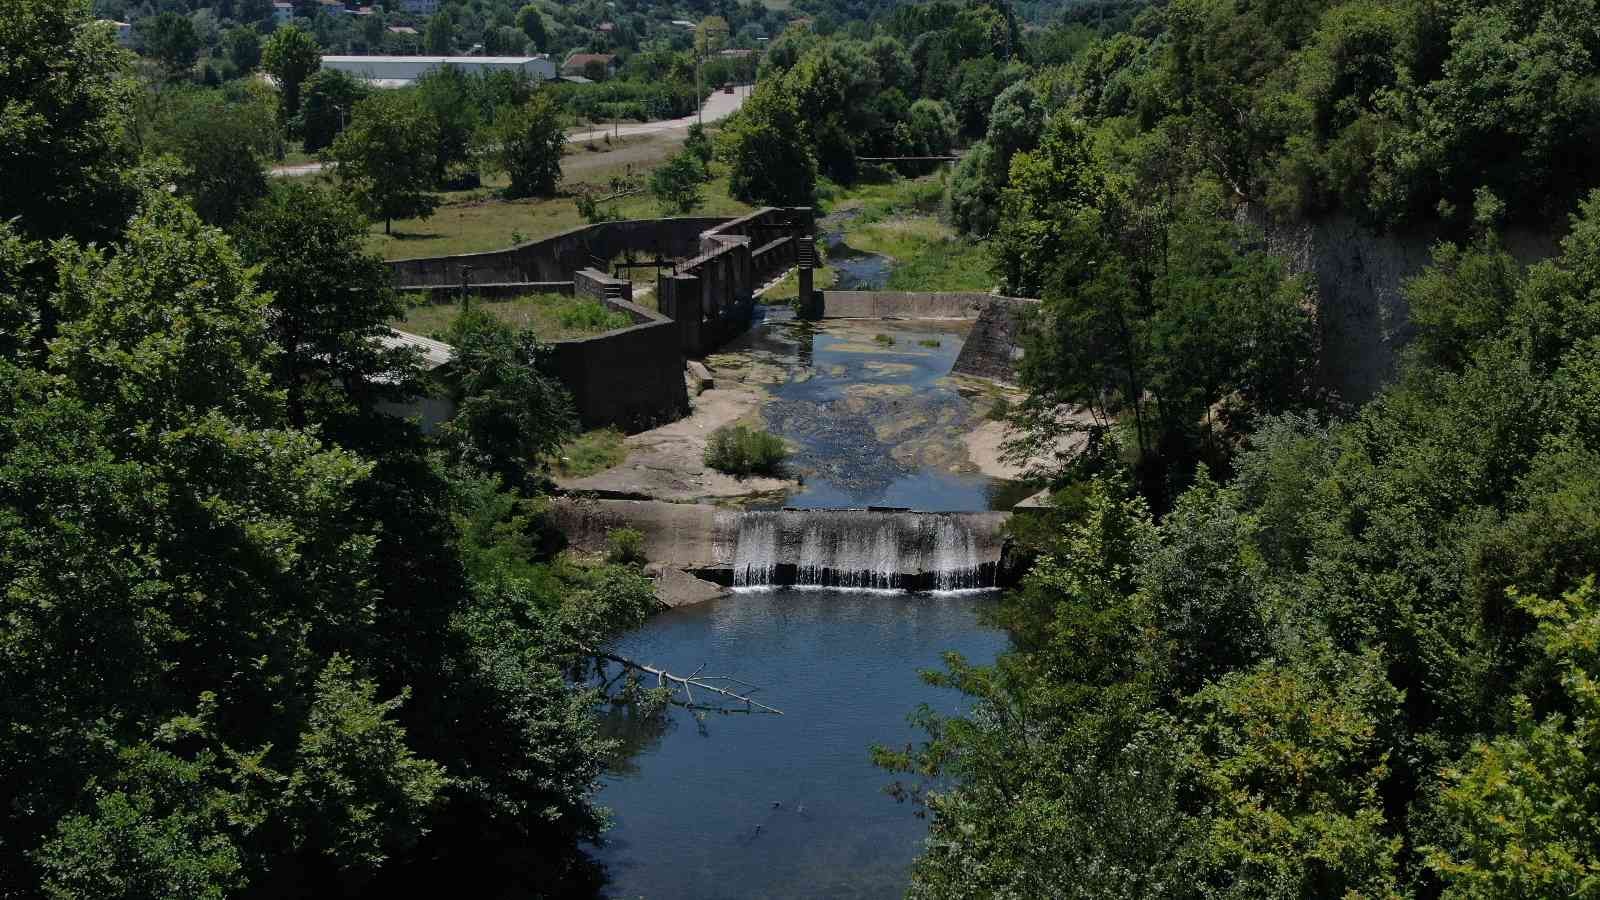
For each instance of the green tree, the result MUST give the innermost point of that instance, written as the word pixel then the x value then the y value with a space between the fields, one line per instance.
pixel 64 151
pixel 329 100
pixel 223 146
pixel 291 55
pixel 525 142
pixel 676 184
pixel 244 47
pixel 453 99
pixel 510 415
pixel 330 301
pixel 439 37
pixel 386 157
pixel 532 25
pixel 171 39
pixel 769 160
pixel 1517 819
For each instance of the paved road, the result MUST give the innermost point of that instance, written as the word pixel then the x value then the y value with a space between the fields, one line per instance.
pixel 717 106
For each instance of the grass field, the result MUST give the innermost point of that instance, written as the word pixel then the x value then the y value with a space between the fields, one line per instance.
pixel 552 317
pixel 902 219
pixel 591 452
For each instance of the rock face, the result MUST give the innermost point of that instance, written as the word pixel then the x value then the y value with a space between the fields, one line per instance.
pixel 1359 277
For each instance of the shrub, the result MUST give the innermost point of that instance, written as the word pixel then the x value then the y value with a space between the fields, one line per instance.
pixel 884 339
pixel 625 546
pixel 740 451
pixel 930 342
pixel 593 316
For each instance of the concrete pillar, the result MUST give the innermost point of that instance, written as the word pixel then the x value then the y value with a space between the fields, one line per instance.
pixel 810 306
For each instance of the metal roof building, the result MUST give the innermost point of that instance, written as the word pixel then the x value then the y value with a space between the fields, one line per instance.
pixel 399 71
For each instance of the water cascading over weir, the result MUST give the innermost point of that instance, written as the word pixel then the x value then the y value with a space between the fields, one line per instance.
pixel 865 549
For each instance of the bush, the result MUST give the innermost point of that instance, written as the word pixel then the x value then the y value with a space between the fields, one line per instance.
pixel 884 339
pixel 593 316
pixel 740 451
pixel 625 546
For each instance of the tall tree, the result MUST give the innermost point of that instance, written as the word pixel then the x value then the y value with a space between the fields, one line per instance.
pixel 171 39
pixel 525 142
pixel 330 301
pixel 291 54
pixel 223 145
pixel 64 153
pixel 387 157
pixel 532 24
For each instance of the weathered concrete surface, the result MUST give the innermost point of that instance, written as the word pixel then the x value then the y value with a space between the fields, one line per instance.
pixel 679 535
pixel 994 347
pixel 556 258
pixel 902 305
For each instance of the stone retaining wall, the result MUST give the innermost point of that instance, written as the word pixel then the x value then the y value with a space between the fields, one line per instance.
pixel 556 258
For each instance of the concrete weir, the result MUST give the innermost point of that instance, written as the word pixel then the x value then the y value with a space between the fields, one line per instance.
pixel 883 549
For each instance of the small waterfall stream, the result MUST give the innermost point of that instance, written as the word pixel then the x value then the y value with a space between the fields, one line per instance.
pixel 865 549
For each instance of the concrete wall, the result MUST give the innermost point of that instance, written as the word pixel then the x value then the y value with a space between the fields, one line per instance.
pixel 993 348
pixel 632 377
pixel 902 305
pixel 451 293
pixel 711 297
pixel 556 258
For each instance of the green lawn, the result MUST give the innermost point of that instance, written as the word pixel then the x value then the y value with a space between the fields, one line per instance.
pixel 552 317
pixel 591 452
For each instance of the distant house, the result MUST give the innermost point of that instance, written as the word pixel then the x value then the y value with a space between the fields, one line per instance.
pixel 736 54
pixel 420 7
pixel 683 23
pixel 606 27
pixel 402 29
pixel 580 63
pixel 333 7
pixel 282 13
pixel 400 71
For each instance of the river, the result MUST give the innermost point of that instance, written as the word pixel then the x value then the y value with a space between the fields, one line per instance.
pixel 756 805
pixel 744 806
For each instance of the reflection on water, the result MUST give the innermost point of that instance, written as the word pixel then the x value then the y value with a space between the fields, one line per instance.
pixel 783 806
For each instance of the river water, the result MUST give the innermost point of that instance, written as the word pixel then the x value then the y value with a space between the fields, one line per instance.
pixel 755 805
pixel 744 806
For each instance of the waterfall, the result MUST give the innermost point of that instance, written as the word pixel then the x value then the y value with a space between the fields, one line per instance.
pixel 864 549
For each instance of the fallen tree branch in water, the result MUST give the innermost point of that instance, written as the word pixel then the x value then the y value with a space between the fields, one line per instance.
pixel 694 679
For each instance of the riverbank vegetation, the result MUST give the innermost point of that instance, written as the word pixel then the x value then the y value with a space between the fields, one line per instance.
pixel 742 451
pixel 259 638
pixel 1277 642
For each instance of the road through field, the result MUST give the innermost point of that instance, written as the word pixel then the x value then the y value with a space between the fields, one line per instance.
pixel 717 106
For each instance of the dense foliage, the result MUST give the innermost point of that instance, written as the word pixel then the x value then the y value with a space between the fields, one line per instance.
pixel 257 636
pixel 1273 645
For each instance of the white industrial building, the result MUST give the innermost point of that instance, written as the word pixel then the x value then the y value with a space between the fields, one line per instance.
pixel 399 71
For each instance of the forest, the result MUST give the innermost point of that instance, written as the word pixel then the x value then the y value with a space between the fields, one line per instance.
pixel 1279 642
pixel 1272 641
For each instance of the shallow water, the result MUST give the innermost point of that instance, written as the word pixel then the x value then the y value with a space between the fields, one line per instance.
pixel 743 806
pixel 855 270
pixel 875 423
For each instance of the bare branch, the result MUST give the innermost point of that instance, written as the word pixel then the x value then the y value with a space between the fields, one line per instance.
pixel 663 677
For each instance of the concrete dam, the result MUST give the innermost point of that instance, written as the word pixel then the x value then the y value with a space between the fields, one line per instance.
pixel 866 549
pixel 882 549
